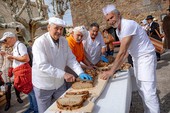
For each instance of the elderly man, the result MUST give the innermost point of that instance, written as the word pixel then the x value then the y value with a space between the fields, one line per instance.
pixel 51 55
pixel 135 41
pixel 94 45
pixel 75 43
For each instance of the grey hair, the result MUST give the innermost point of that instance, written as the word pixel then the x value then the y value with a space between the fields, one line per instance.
pixel 116 11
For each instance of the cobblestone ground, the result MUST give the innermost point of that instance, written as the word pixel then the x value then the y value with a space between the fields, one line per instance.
pixel 163 89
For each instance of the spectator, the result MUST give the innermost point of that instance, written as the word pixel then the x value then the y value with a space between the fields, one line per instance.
pixel 108 40
pixel 166 29
pixel 5 65
pixel 154 32
pixel 22 70
pixel 51 54
pixel 144 25
pixel 135 41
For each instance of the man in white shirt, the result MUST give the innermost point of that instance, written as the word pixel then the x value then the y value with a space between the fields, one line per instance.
pixel 51 54
pixel 135 41
pixel 94 45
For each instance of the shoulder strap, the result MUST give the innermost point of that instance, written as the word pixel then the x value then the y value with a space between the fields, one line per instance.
pixel 18 49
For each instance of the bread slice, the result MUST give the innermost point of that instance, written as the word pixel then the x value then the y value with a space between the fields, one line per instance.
pixel 70 103
pixel 83 94
pixel 77 93
pixel 82 85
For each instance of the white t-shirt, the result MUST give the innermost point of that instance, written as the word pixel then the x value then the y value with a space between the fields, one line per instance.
pixel 19 49
pixel 140 44
pixel 93 47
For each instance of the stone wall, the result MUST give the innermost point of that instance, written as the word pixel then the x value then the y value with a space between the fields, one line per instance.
pixel 84 12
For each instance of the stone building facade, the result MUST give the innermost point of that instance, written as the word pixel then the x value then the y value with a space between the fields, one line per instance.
pixel 84 12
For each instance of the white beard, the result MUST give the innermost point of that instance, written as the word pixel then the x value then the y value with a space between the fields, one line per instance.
pixel 117 23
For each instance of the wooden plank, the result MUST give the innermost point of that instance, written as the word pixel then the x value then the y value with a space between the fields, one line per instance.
pixel 95 92
pixel 2 100
pixel 158 45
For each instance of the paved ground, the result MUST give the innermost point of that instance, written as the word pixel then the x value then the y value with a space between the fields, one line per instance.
pixel 163 79
pixel 163 87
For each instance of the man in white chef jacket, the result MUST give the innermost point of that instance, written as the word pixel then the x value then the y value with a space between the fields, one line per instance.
pixel 135 41
pixel 51 54
pixel 94 45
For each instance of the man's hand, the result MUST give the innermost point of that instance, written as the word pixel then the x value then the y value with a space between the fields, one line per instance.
pixel 10 57
pixel 85 76
pixel 104 59
pixel 3 53
pixel 106 74
pixel 69 77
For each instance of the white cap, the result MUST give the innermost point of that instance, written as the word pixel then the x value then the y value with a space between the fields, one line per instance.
pixel 144 21
pixel 155 19
pixel 57 21
pixel 81 29
pixel 108 9
pixel 7 34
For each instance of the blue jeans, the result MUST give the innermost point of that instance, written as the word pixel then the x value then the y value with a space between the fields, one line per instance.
pixel 33 103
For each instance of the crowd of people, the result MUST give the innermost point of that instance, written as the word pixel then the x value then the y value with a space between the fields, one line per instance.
pixel 47 67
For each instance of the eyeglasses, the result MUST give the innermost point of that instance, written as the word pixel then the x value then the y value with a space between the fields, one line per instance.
pixel 5 40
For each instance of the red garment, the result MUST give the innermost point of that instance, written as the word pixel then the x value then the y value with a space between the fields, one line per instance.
pixel 10 74
pixel 23 78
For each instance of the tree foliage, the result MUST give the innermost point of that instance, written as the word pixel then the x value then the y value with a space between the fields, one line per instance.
pixel 28 26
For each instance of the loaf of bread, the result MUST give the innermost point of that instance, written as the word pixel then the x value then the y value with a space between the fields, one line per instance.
pixel 110 59
pixel 102 64
pixel 91 72
pixel 125 66
pixel 70 103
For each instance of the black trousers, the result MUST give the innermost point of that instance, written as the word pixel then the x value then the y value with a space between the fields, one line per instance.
pixel 158 55
pixel 8 92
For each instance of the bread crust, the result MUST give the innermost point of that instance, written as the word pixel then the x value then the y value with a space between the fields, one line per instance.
pixel 70 103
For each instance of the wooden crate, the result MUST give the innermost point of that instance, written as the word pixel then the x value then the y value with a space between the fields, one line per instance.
pixel 2 100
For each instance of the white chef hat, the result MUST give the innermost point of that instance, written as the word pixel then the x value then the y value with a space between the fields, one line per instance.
pixel 7 34
pixel 81 29
pixel 57 21
pixel 108 9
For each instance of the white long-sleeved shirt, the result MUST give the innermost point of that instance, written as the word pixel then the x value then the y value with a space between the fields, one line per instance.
pixel 49 61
